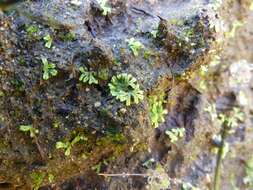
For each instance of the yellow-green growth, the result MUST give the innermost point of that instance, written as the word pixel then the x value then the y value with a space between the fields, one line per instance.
pixel 87 76
pixel 232 120
pixel 67 37
pixel 175 134
pixel 67 146
pixel 156 110
pixel 51 178
pixel 135 46
pixel 126 89
pixel 30 129
pixel 32 32
pixel 48 41
pixel 49 69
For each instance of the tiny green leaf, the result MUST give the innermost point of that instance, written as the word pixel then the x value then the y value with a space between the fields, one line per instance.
pixel 48 69
pixel 48 41
pixel 30 129
pixel 87 76
pixel 135 46
pixel 51 178
pixel 25 128
pixel 61 145
pixel 37 179
pixel 175 134
pixel 67 151
pixel 69 144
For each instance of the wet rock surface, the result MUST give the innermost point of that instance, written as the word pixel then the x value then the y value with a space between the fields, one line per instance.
pixel 184 53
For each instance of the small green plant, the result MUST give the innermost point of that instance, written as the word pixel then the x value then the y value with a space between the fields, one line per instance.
pixel 32 31
pixel 211 109
pixel 156 110
pixel 147 54
pixel 135 46
pixel 56 124
pixel 37 179
pixel 175 134
pixel 48 69
pixel 30 129
pixel 232 121
pixel 51 178
pixel 105 7
pixel 87 76
pixel 248 179
pixel 48 41
pixel 67 37
pixel 69 144
pixel 126 89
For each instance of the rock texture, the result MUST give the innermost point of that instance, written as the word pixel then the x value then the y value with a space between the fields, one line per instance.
pixel 179 39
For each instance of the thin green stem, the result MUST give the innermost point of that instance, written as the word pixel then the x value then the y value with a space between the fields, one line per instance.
pixel 217 175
